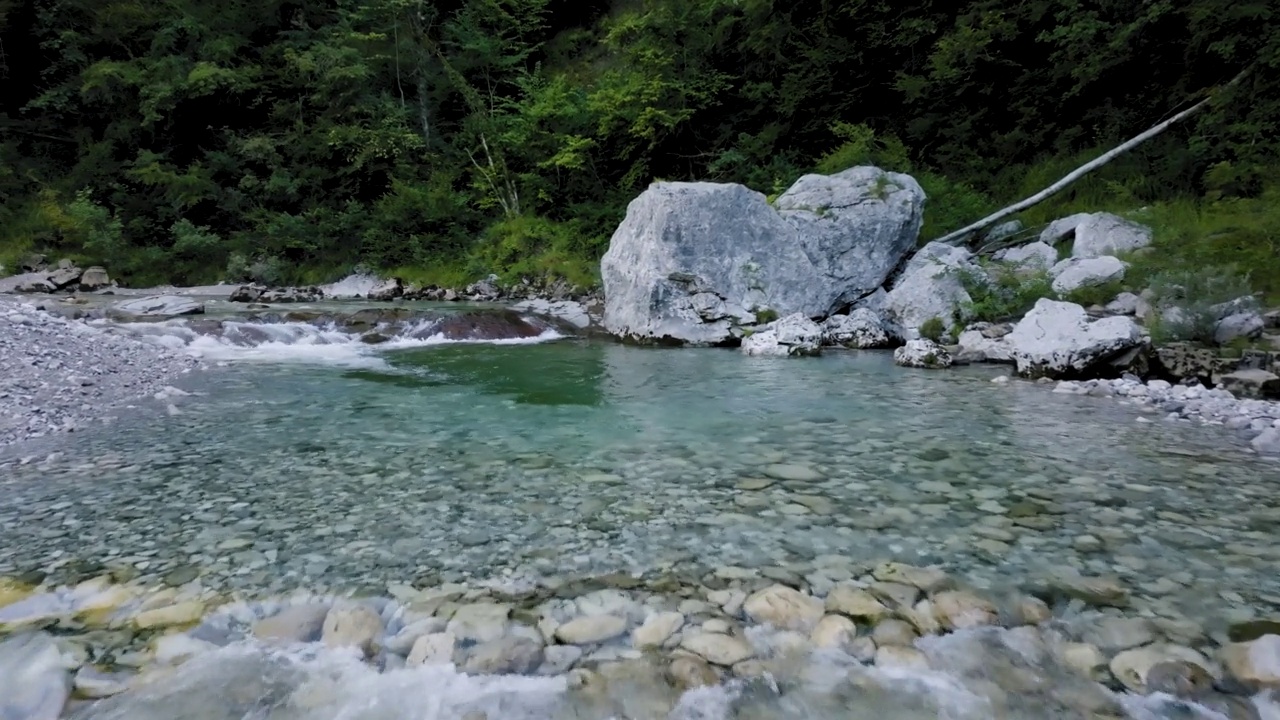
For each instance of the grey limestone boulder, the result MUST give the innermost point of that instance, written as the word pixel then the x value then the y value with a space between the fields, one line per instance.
pixel 929 287
pixel 792 336
pixel 1075 273
pixel 1059 340
pixel 692 262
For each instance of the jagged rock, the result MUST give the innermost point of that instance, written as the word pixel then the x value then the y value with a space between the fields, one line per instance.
pixel 1032 255
pixel 1098 234
pixel 575 313
pixel 95 278
pixel 487 325
pixel 976 346
pixel 28 283
pixel 922 353
pixel 794 335
pixel 247 293
pixel 1106 234
pixel 861 328
pixel 291 295
pixel 929 287
pixel 34 262
pixel 1272 320
pixel 1247 325
pixel 509 655
pixel 387 290
pixel 1126 303
pixel 1003 230
pixel 486 290
pixel 160 306
pixel 66 275
pixel 1252 384
pixel 1062 228
pixel 1181 361
pixel 1075 272
pixel 692 261
pixel 1057 339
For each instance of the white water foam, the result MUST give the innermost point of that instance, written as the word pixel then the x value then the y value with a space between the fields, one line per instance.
pixel 295 342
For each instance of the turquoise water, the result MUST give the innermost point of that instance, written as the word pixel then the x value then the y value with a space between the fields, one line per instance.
pixel 353 467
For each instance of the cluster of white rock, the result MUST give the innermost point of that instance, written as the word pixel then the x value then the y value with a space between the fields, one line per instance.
pixel 1258 420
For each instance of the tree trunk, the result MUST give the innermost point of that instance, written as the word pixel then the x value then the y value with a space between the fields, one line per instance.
pixel 965 232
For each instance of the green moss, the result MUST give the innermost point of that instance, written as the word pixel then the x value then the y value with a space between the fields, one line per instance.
pixel 766 315
pixel 933 329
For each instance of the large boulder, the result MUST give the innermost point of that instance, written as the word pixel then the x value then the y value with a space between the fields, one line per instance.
pixel 1075 273
pixel 861 328
pixel 1252 384
pixel 159 306
pixel 694 261
pixel 95 278
pixel 1058 339
pixel 930 286
pixel 924 354
pixel 1097 234
pixel 1102 234
pixel 794 335
pixel 1247 325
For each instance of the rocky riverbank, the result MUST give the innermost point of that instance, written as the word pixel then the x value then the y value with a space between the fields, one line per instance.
pixel 1257 420
pixel 895 637
pixel 57 375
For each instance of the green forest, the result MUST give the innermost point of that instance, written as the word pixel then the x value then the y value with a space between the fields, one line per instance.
pixel 293 140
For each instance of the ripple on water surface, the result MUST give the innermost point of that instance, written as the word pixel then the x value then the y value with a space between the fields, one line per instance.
pixel 572 458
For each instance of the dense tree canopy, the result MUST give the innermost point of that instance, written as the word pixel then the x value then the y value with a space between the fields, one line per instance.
pixel 182 141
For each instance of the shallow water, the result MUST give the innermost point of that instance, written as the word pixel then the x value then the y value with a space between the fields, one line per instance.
pixel 354 467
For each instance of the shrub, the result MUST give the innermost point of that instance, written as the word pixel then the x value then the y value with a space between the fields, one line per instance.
pixel 933 329
pixel 1190 302
pixel 264 270
pixel 767 315
pixel 1003 292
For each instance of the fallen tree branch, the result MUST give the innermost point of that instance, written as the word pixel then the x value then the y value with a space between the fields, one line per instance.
pixel 1074 175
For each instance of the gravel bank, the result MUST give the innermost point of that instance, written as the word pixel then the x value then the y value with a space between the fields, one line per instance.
pixel 58 375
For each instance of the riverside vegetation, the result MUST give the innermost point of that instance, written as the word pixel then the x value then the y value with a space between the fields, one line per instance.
pixel 443 141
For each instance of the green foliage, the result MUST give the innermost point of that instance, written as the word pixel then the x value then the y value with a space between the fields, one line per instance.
pixel 766 315
pixel 1189 302
pixel 933 329
pixel 999 292
pixel 455 138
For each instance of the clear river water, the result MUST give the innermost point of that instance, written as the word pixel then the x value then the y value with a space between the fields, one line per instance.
pixel 308 461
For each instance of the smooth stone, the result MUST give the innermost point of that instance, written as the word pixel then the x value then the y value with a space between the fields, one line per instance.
pixel 1097 591
pixel 1085 659
pixel 1179 678
pixel 895 595
pixel 784 608
pixel 1114 634
pixel 1256 661
pixel 901 658
pixel 352 626
pixel 183 613
pixel 402 643
pixel 479 622
pixel 299 623
pixel 559 659
pixel 855 602
pixel 1132 666
pixel 180 576
pixel 928 579
pixel 833 632
pixel 504 656
pixel 179 648
pixel 894 632
pixel 718 649
pixel 689 673
pixel 793 473
pixel 592 629
pixel 432 649
pixel 957 610
pixel 756 484
pixel 93 684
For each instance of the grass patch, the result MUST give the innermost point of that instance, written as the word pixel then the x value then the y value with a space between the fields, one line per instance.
pixel 933 329
pixel 1090 295
pixel 1002 292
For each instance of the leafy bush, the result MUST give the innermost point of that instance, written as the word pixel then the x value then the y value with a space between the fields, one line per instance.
pixel 933 329
pixel 264 270
pixel 766 315
pixel 1003 292
pixel 1190 302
